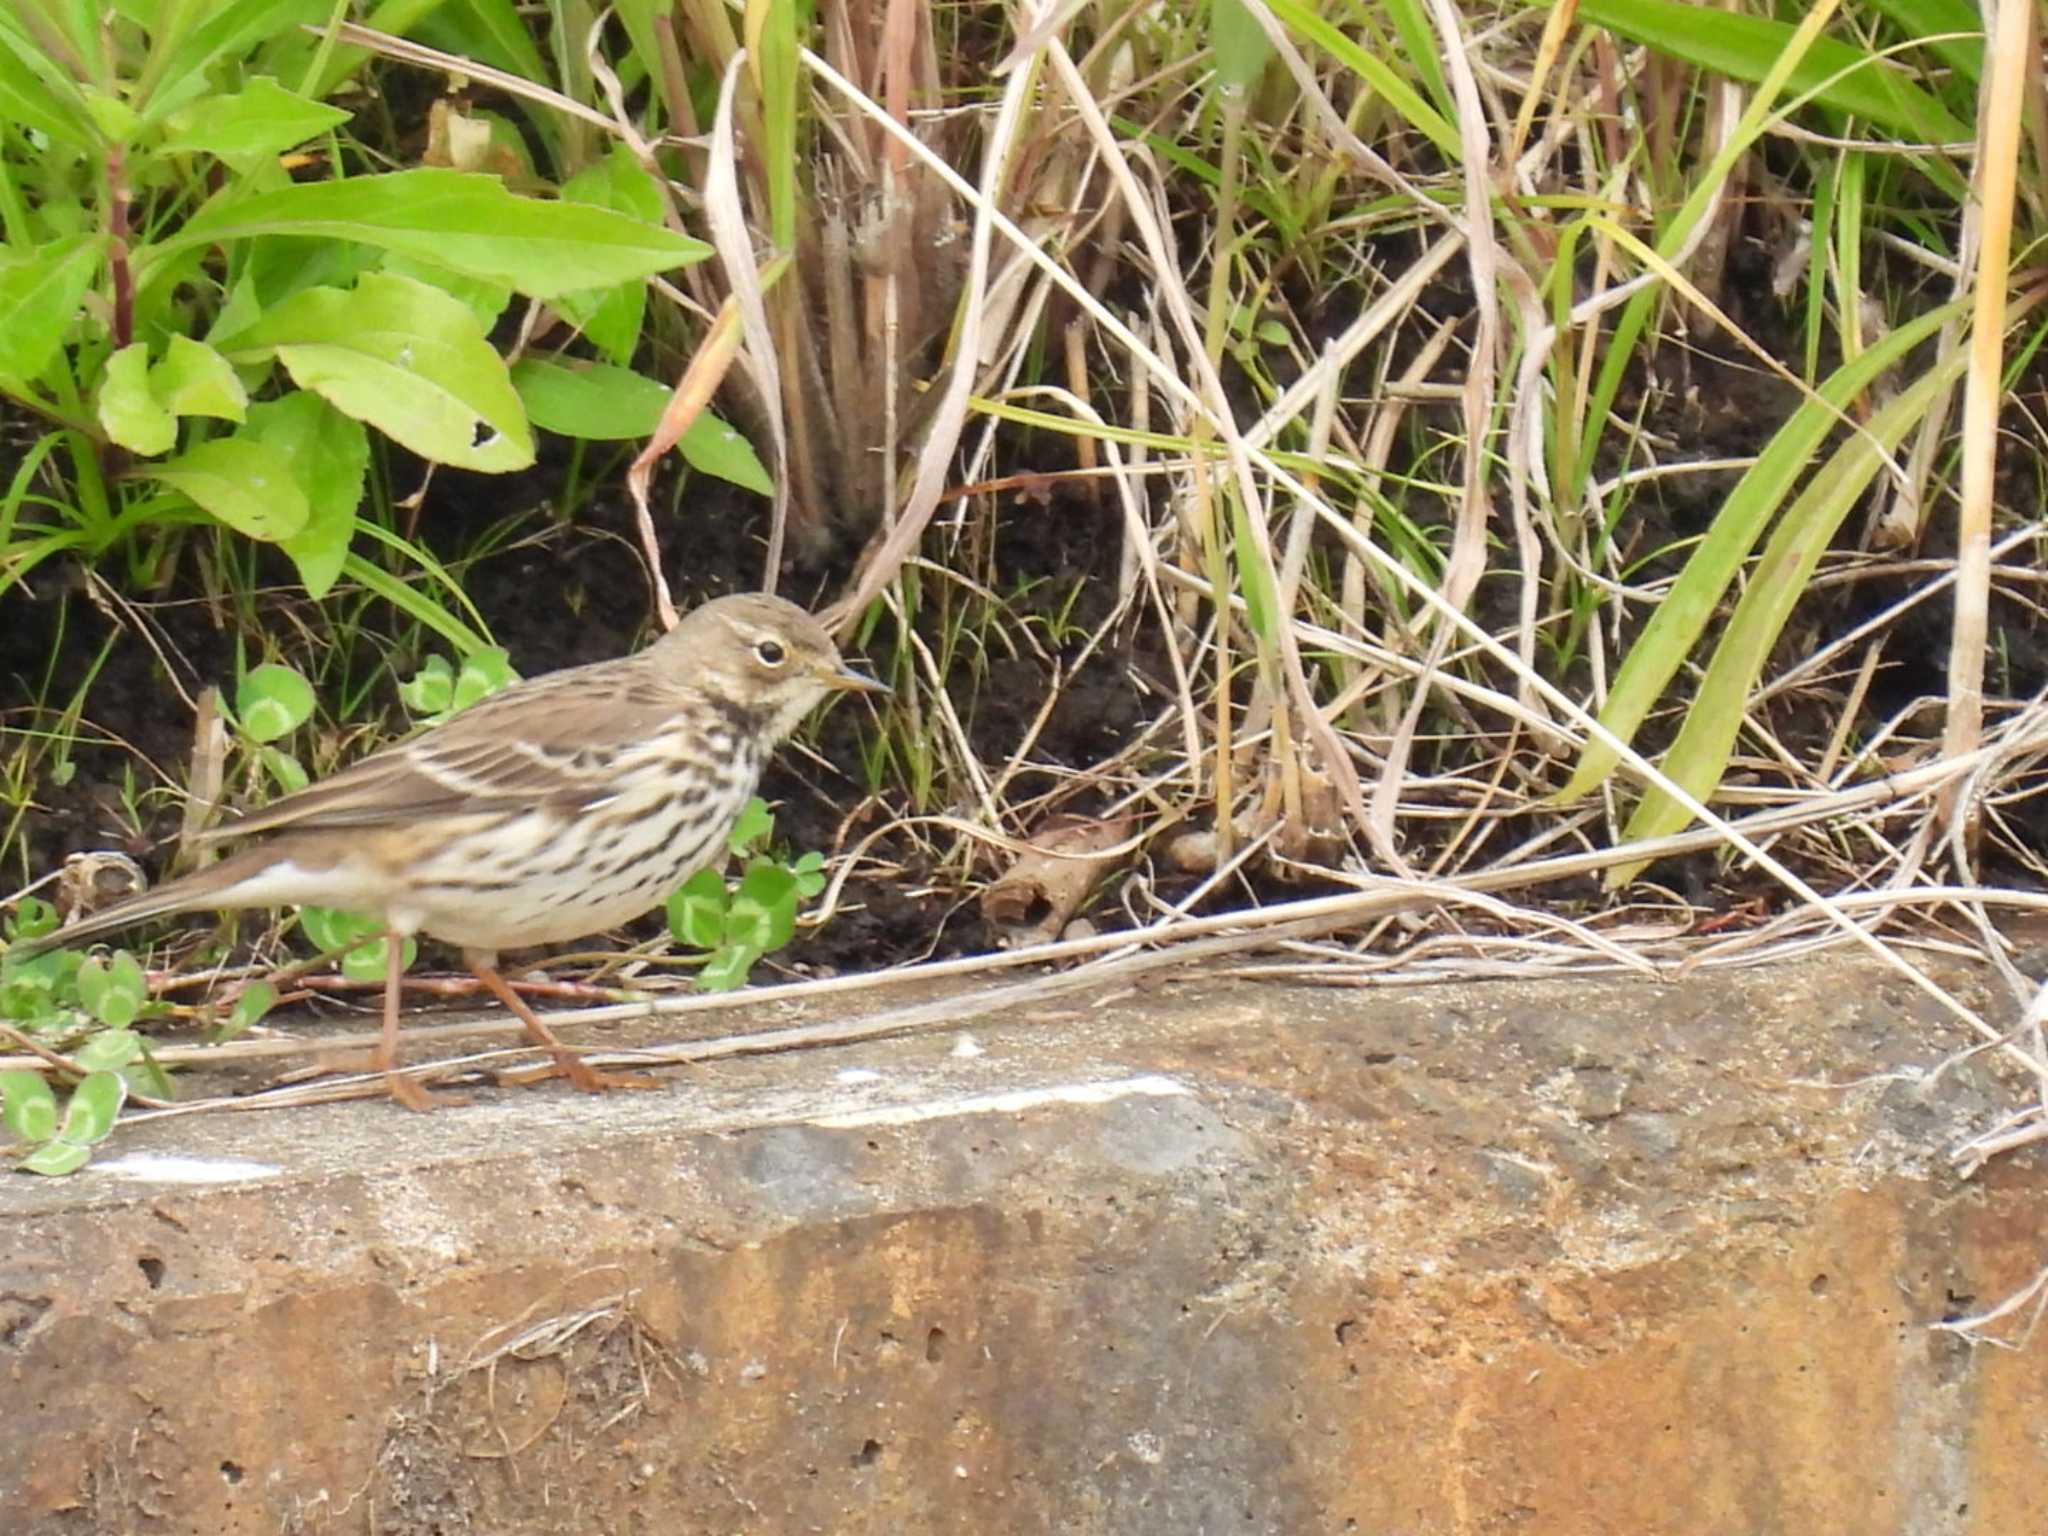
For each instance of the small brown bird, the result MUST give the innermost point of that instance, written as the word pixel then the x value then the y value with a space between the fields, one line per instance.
pixel 564 805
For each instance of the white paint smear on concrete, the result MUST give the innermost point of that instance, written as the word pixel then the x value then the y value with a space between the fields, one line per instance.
pixel 169 1168
pixel 1016 1101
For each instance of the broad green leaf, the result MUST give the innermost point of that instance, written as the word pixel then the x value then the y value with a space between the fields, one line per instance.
pixel 696 911
pixel 595 401
pixel 763 911
pixel 489 31
pixel 251 1004
pixel 330 929
pixel 192 379
pixel 54 1159
pixel 246 484
pixel 430 690
pixel 95 1106
pixel 713 447
pixel 755 825
pixel 601 403
pixel 272 701
pixel 1240 45
pixel 113 117
pixel 484 673
pixel 486 300
pixel 612 317
pixel 1847 78
pixel 330 458
pixel 41 98
pixel 129 409
pixel 288 771
pixel 40 296
pixel 31 919
pixel 92 983
pixel 466 222
pixel 810 874
pixel 405 358
pixel 230 30
pixel 727 969
pixel 108 1050
pixel 263 118
pixel 28 1106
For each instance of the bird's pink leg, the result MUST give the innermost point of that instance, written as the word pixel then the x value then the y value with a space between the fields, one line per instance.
pixel 567 1062
pixel 385 1058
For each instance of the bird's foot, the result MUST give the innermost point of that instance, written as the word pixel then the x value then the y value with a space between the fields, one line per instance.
pixel 594 1080
pixel 417 1097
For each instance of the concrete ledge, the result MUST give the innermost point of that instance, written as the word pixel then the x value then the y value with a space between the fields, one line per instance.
pixel 1572 1257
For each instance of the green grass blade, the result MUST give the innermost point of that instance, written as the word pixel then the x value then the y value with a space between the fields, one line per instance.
pixel 1683 616
pixel 1699 756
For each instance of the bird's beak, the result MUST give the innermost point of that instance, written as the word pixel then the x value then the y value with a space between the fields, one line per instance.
pixel 846 680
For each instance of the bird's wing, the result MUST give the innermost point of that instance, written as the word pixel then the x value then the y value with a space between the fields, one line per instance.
pixel 554 740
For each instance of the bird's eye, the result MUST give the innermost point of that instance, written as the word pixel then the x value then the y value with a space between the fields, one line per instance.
pixel 771 653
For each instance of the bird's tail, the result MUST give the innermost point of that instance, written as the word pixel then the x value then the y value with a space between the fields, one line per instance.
pixel 213 886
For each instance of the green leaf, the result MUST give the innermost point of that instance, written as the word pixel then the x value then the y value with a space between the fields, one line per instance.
pixel 246 484
pixel 263 118
pixel 117 993
pixel 486 300
pixel 1307 22
pixel 290 774
pixel 602 403
pixel 129 409
pixel 44 99
pixel 91 984
pixel 113 117
pixel 407 359
pixel 466 222
pixel 95 1106
pixel 54 1159
pixel 595 401
pixel 483 674
pixel 810 874
pixel 330 929
pixel 194 380
pixel 146 1075
pixel 763 912
pixel 251 1004
pixel 755 825
pixel 1745 512
pixel 696 912
pixel 1699 756
pixel 330 459
pixel 429 690
pixel 1255 579
pixel 272 700
pixel 612 317
pixel 28 1106
pixel 712 447
pixel 1848 79
pixel 108 1050
pixel 40 296
pixel 32 918
pixel 1240 45
pixel 228 31
pixel 727 969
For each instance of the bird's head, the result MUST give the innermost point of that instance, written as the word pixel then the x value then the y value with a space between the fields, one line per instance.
pixel 763 654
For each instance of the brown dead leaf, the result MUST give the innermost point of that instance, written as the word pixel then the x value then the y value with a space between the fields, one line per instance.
pixel 1034 899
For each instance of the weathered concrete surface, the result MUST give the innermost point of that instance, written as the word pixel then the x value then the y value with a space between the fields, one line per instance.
pixel 1586 1257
